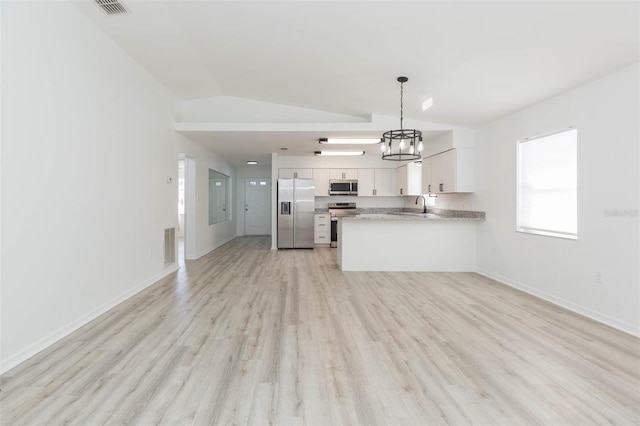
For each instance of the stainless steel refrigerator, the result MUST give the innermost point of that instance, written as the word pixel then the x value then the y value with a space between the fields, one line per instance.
pixel 296 208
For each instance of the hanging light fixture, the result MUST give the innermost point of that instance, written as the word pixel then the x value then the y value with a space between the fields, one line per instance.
pixel 403 144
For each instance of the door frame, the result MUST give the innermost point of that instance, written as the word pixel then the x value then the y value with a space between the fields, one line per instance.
pixel 189 207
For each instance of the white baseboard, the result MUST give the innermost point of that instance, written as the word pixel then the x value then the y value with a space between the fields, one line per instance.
pixel 62 332
pixel 209 250
pixel 579 309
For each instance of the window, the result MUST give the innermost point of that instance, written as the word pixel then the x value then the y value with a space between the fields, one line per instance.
pixel 547 201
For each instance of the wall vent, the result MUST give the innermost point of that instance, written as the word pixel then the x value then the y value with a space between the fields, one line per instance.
pixel 169 246
pixel 112 7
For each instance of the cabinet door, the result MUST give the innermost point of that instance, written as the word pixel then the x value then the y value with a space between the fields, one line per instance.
pixel 437 184
pixel 321 179
pixel 448 170
pixel 401 180
pixel 350 173
pixel 414 179
pixel 304 173
pixel 427 182
pixel 343 173
pixel 286 173
pixel 336 174
pixel 295 173
pixel 384 182
pixel 366 183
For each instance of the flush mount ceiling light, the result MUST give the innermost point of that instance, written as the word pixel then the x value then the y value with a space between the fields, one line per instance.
pixel 338 153
pixel 402 144
pixel 252 162
pixel 427 103
pixel 350 141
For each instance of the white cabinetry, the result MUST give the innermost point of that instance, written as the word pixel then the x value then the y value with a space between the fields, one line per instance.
pixel 366 182
pixel 343 173
pixel 448 172
pixel 321 179
pixel 322 228
pixel 295 173
pixel 409 179
pixel 375 182
pixel 384 182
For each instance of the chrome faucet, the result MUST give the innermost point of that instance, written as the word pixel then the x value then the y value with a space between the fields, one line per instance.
pixel 424 202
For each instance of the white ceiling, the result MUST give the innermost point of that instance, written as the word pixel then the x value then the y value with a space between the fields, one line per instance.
pixel 480 60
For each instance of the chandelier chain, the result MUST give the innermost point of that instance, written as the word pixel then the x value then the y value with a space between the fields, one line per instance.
pixel 401 104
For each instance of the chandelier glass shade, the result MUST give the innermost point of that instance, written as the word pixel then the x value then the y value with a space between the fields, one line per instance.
pixel 402 144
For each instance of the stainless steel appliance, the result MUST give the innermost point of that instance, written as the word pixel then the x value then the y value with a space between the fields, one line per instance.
pixel 296 208
pixel 343 187
pixel 337 210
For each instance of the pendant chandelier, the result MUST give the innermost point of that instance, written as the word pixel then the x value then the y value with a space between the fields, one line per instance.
pixel 403 144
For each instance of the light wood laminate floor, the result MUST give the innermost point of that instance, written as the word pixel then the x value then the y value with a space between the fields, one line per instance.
pixel 248 335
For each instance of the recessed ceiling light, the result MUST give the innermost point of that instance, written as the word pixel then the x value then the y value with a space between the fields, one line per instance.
pixel 349 141
pixel 338 153
pixel 252 162
pixel 427 103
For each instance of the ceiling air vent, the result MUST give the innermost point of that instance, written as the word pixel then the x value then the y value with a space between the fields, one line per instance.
pixel 112 7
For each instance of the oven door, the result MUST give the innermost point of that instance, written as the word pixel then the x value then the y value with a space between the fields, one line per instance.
pixel 334 232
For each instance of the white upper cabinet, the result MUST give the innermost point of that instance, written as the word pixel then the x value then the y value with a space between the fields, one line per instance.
pixel 295 173
pixel 448 172
pixel 321 179
pixel 409 179
pixel 384 182
pixel 366 183
pixel 375 182
pixel 343 173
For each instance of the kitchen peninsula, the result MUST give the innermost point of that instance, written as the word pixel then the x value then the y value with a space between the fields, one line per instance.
pixel 408 241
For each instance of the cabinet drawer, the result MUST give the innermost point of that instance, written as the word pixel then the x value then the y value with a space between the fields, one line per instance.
pixel 322 238
pixel 322 226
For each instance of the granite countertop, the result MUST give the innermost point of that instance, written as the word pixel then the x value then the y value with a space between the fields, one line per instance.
pixel 416 215
pixel 413 217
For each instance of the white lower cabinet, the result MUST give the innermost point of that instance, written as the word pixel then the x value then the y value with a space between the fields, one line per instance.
pixel 322 229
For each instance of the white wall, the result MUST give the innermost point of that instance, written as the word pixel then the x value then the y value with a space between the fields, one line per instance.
pixel 87 141
pixel 208 237
pixel 606 114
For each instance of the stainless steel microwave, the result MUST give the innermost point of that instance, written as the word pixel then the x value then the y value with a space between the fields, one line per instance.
pixel 343 187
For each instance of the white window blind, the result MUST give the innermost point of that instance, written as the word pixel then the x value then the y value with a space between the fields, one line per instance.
pixel 547 178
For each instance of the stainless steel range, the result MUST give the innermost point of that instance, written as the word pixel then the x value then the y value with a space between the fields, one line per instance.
pixel 339 210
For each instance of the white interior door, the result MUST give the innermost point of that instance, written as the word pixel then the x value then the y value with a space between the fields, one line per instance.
pixel 257 206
